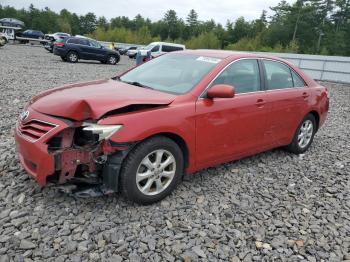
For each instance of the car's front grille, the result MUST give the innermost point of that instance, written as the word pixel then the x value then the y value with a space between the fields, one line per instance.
pixel 34 129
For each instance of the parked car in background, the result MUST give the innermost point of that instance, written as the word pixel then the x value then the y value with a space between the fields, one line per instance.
pixel 159 48
pixel 132 51
pixel 56 36
pixel 124 50
pixel 35 34
pixel 52 38
pixel 140 132
pixel 72 49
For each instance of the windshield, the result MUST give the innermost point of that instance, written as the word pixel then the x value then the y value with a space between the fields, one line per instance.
pixel 172 73
pixel 149 47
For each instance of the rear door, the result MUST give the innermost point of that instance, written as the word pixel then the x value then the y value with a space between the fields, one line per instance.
pixel 227 128
pixel 288 97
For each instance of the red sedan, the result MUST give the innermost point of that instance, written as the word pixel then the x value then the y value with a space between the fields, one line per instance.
pixel 140 132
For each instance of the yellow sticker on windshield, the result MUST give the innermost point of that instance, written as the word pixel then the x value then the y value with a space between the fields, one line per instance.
pixel 208 59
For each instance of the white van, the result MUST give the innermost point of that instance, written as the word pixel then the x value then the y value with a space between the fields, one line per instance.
pixel 159 48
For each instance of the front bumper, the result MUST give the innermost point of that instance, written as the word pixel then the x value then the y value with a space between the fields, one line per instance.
pixel 33 150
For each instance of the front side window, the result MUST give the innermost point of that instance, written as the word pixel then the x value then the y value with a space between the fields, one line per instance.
pixel 94 44
pixel 172 73
pixel 278 75
pixel 243 75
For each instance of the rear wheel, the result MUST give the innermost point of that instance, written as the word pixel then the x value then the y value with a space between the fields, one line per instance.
pixel 304 135
pixel 72 57
pixel 152 170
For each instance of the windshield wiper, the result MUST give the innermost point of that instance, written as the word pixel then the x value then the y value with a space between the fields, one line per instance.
pixel 135 83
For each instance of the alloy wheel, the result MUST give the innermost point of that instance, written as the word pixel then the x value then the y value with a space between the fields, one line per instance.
pixel 156 172
pixel 112 60
pixel 73 57
pixel 305 133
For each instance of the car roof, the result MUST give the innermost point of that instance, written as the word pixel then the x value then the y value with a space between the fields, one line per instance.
pixel 166 43
pixel 225 54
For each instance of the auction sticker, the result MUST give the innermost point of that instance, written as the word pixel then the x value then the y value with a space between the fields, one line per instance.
pixel 208 59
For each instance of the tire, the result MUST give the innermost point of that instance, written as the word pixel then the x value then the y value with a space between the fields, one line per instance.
pixel 113 59
pixel 72 57
pixel 3 41
pixel 64 59
pixel 160 184
pixel 303 136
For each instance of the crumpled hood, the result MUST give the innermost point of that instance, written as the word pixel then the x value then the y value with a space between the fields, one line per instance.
pixel 92 100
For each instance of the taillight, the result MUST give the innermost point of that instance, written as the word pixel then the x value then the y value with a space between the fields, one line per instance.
pixel 59 44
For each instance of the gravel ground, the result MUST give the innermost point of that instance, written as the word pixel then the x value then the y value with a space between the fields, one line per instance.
pixel 270 207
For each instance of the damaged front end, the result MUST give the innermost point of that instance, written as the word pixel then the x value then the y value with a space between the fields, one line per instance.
pixel 86 161
pixel 77 154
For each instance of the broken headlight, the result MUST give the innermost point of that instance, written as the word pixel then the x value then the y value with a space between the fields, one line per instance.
pixel 102 131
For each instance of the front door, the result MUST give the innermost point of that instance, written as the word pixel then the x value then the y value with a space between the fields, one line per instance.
pixel 227 128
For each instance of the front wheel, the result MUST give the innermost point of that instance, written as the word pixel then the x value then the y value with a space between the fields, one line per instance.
pixel 113 59
pixel 152 170
pixel 304 135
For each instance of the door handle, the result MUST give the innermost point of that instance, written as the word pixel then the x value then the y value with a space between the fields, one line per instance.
pixel 260 102
pixel 305 95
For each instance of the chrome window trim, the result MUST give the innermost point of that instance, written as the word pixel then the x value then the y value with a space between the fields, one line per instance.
pixel 266 90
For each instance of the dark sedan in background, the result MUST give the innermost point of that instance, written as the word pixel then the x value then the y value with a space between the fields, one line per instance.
pixel 35 34
pixel 72 49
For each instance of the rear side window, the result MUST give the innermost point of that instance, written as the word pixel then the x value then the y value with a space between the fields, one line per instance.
pixel 244 75
pixel 78 41
pixel 73 41
pixel 297 80
pixel 168 48
pixel 278 75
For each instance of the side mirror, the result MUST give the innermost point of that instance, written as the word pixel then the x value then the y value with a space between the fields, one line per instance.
pixel 221 91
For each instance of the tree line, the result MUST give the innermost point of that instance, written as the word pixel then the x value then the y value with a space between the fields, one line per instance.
pixel 313 27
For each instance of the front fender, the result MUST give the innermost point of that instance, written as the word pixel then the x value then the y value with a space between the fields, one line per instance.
pixel 175 119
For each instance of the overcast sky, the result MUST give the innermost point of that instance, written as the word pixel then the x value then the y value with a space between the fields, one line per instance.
pixel 220 10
